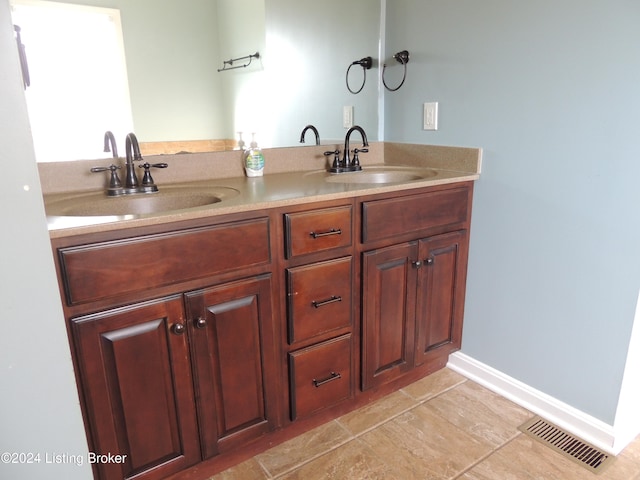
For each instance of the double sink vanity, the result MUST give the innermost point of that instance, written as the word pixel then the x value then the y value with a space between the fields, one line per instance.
pixel 225 314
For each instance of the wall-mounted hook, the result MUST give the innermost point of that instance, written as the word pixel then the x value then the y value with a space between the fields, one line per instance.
pixel 403 58
pixel 366 63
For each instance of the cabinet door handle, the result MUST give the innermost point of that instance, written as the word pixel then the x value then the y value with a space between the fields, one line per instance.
pixel 200 322
pixel 333 376
pixel 333 231
pixel 178 328
pixel 322 303
pixel 429 261
pixel 417 264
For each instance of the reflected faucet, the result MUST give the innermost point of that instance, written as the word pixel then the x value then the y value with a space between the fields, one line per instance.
pixel 314 130
pixel 110 139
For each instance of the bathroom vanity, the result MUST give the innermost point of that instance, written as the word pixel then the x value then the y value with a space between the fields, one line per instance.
pixel 203 337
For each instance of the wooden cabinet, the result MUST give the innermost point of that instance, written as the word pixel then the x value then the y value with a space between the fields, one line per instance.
pixel 319 298
pixel 120 268
pixel 412 292
pixel 320 376
pixel 316 230
pixel 440 300
pixel 200 342
pixel 173 380
pixel 232 333
pixel 388 312
pixel 319 278
pixel 136 381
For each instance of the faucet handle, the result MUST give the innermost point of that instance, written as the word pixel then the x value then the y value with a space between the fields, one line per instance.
pixel 114 182
pixel 336 158
pixel 356 160
pixel 146 179
pixel 147 165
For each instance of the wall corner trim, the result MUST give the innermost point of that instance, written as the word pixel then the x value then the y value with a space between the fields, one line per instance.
pixel 587 427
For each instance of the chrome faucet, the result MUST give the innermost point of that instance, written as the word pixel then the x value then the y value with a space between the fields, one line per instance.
pixel 315 132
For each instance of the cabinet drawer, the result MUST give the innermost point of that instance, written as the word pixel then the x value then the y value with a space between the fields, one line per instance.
pixel 317 230
pixel 320 376
pixel 415 214
pixel 319 298
pixel 103 270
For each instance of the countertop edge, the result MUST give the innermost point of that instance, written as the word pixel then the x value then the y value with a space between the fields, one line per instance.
pixel 57 228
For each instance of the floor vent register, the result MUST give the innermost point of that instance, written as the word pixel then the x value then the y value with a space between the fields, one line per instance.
pixel 567 445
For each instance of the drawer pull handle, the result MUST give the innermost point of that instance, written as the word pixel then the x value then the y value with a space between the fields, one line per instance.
pixel 333 231
pixel 322 303
pixel 333 376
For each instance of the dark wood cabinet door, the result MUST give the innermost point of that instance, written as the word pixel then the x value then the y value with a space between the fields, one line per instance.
pixel 232 333
pixel 136 380
pixel 440 298
pixel 388 311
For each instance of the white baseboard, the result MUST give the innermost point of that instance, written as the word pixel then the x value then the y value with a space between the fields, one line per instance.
pixel 584 426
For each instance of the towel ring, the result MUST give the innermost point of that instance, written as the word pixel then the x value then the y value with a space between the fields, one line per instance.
pixel 403 58
pixel 366 64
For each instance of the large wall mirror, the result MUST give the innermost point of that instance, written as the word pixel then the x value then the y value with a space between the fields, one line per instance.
pixel 174 49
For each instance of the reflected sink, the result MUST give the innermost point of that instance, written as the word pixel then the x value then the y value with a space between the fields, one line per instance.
pixel 166 200
pixel 382 175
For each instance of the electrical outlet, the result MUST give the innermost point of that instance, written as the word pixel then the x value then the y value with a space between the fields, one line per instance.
pixel 430 117
pixel 347 116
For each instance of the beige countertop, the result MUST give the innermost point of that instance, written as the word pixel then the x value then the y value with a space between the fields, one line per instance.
pixel 292 176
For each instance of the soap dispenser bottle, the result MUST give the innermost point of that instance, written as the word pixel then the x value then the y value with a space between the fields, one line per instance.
pixel 254 160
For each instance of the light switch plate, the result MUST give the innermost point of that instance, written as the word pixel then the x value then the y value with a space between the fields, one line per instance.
pixel 347 116
pixel 430 116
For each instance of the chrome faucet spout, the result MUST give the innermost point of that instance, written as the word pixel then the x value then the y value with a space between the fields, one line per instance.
pixel 315 132
pixel 110 143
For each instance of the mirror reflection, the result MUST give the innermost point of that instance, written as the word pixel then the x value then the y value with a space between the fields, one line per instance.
pixel 178 101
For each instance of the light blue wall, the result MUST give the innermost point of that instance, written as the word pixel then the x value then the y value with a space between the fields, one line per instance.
pixel 551 91
pixel 310 46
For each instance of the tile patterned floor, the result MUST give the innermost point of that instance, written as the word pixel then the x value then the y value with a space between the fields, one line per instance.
pixel 441 427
